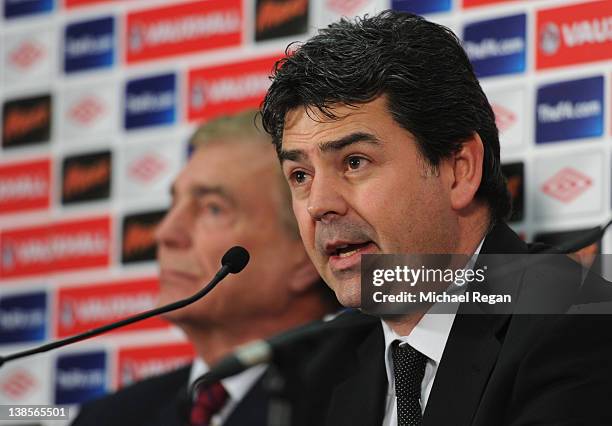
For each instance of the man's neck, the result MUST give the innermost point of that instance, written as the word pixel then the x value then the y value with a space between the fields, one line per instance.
pixel 473 233
pixel 403 324
pixel 212 342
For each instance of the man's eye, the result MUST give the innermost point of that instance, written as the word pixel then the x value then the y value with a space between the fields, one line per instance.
pixel 210 208
pixel 355 162
pixel 299 177
pixel 213 209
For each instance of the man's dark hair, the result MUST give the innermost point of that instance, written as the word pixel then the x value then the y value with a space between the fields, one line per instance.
pixel 421 69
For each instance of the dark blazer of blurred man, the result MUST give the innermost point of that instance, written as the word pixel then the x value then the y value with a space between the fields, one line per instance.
pixel 389 145
pixel 231 192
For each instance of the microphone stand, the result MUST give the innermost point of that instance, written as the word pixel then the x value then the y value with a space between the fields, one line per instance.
pixel 279 410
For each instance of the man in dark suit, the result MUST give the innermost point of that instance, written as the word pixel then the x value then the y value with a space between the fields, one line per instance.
pixel 231 192
pixel 389 145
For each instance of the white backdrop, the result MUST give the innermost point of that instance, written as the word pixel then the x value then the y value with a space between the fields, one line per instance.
pixel 99 97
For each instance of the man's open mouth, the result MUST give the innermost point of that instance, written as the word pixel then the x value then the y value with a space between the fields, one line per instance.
pixel 347 250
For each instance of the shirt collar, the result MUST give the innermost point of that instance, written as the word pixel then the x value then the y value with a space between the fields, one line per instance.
pixel 236 386
pixel 428 337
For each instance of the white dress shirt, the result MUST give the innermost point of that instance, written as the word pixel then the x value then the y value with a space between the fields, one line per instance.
pixel 429 337
pixel 236 386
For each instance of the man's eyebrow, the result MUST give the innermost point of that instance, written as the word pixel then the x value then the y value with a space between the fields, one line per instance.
pixel 199 190
pixel 291 155
pixel 350 139
pixel 335 145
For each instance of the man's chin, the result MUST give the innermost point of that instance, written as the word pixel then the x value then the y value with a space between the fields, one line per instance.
pixel 349 295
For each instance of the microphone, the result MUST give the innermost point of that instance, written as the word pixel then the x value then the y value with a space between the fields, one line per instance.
pixel 264 350
pixel 589 237
pixel 232 262
pixel 235 259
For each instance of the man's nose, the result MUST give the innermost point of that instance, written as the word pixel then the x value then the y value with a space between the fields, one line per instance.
pixel 173 229
pixel 325 200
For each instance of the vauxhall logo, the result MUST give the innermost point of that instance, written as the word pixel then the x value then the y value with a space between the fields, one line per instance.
pixel 550 39
pixel 576 34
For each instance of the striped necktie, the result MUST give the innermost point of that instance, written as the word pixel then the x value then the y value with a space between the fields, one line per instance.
pixel 208 402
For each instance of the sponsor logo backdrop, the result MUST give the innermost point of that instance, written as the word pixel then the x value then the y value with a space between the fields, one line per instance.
pixel 99 97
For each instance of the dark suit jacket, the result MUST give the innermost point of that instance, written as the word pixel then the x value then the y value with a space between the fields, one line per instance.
pixel 163 401
pixel 496 369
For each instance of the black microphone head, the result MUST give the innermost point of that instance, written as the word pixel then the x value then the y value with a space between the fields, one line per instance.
pixel 236 259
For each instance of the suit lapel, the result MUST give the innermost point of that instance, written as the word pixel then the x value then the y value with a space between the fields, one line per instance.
pixel 469 357
pixel 253 408
pixel 473 345
pixel 360 400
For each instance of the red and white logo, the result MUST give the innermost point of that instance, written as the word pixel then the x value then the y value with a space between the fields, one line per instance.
pixel 25 186
pixel 509 108
pixel 86 111
pixel 229 88
pixel 504 118
pixel 147 168
pixel 139 363
pixel 18 384
pixel 26 54
pixel 574 34
pixel 89 111
pixel 183 28
pixel 84 307
pixel 70 245
pixel 567 185
pixel 346 7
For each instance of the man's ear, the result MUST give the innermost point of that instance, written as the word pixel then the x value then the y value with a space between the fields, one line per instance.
pixel 466 166
pixel 304 274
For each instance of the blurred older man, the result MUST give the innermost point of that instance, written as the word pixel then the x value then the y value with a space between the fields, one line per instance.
pixel 231 192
